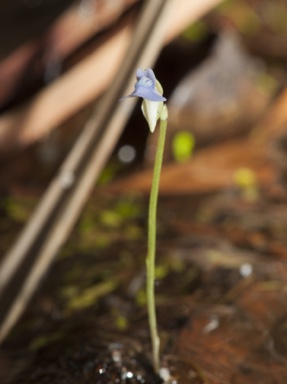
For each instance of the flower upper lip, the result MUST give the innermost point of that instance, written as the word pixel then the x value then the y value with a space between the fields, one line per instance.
pixel 145 86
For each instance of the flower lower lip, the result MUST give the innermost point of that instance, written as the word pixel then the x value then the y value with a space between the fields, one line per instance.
pixel 145 87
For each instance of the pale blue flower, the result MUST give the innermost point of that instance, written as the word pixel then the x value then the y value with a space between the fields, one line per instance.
pixel 146 86
pixel 151 92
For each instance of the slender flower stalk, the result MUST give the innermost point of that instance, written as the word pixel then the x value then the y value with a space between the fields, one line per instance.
pixel 148 88
pixel 150 260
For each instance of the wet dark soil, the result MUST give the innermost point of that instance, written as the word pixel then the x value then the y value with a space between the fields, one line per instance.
pixel 221 294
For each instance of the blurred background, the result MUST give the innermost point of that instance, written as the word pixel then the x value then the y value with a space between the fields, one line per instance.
pixel 222 65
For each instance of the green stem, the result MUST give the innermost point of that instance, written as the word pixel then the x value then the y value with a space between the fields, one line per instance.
pixel 150 261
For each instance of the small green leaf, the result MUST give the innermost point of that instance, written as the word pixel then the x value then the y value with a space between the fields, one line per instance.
pixel 244 178
pixel 182 146
pixel 90 295
pixel 111 218
pixel 121 323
